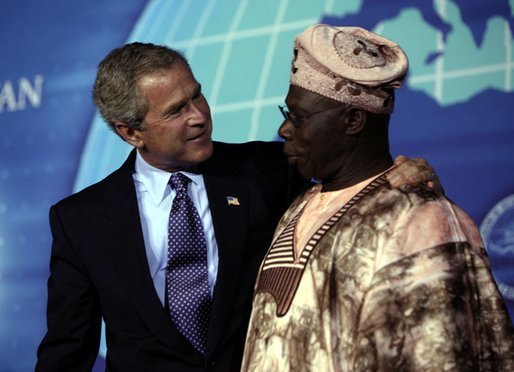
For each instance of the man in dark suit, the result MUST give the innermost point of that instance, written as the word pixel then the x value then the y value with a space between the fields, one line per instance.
pixel 110 247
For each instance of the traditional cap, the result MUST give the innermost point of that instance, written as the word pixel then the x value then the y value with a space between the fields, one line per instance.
pixel 350 65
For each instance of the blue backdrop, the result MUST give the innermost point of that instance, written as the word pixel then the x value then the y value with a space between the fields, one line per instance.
pixel 455 109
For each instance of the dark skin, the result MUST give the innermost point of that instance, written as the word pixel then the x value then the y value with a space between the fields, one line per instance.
pixel 342 145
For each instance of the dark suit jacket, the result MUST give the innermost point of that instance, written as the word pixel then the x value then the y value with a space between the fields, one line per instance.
pixel 99 267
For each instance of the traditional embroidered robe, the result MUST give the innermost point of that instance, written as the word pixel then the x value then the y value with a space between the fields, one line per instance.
pixel 393 281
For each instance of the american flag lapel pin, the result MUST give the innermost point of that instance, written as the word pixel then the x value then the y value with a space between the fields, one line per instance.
pixel 232 200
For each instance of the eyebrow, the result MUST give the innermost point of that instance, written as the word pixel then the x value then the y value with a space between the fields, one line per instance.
pixel 197 91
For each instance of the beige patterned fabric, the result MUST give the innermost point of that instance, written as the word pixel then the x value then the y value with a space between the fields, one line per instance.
pixel 394 281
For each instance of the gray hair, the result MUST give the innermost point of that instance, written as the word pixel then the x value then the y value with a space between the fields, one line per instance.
pixel 115 91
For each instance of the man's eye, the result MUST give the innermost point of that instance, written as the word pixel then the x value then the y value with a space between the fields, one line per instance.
pixel 295 117
pixel 174 113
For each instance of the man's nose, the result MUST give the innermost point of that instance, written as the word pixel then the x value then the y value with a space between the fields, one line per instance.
pixel 196 114
pixel 285 129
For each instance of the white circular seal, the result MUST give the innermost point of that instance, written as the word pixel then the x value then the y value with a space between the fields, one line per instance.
pixel 497 230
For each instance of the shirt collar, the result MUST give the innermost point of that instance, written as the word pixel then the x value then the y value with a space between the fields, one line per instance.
pixel 156 180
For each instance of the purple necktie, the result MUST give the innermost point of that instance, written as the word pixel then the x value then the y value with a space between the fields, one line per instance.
pixel 187 282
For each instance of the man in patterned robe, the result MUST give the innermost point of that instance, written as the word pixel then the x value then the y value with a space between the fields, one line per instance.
pixel 361 276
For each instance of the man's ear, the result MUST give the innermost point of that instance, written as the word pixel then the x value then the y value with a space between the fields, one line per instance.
pixel 129 134
pixel 355 120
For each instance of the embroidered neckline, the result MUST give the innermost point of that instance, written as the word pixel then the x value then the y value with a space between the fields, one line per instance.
pixel 281 271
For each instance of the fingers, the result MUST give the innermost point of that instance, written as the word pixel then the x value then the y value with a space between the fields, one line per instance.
pixel 409 172
pixel 436 186
pixel 401 180
pixel 400 159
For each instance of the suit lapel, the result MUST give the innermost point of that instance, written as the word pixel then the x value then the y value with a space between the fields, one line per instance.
pixel 230 227
pixel 127 251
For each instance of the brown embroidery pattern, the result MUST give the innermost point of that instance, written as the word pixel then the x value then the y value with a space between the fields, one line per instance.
pixel 281 272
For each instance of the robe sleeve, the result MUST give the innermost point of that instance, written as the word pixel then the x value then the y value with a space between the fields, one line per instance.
pixel 432 303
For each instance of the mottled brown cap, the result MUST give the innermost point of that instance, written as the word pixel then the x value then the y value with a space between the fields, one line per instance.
pixel 350 65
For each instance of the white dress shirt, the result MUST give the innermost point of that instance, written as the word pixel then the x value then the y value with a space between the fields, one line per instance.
pixel 154 198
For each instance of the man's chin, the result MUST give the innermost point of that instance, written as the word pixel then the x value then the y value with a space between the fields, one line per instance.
pixel 304 172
